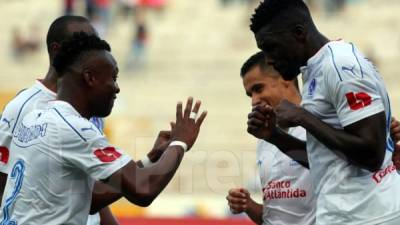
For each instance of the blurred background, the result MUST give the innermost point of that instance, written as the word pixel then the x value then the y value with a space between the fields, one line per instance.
pixel 168 50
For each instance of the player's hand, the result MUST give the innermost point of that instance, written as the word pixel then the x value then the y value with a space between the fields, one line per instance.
pixel 186 128
pixel 261 122
pixel 395 133
pixel 287 114
pixel 238 200
pixel 161 143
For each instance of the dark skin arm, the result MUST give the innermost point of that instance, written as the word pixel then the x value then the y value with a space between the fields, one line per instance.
pixel 362 143
pixel 3 181
pixel 107 218
pixel 104 195
pixel 142 185
pixel 262 124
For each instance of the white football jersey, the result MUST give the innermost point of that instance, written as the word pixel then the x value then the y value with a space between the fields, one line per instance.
pixel 342 87
pixel 287 187
pixel 93 219
pixel 56 156
pixel 35 97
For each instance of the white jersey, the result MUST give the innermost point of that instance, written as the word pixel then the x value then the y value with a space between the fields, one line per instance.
pixel 56 157
pixel 93 219
pixel 287 187
pixel 35 97
pixel 342 87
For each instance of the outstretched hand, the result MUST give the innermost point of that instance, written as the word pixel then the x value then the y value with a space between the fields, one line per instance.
pixel 187 125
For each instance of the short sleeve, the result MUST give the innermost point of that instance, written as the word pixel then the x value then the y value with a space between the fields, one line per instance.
pixel 84 147
pixel 354 96
pixel 7 124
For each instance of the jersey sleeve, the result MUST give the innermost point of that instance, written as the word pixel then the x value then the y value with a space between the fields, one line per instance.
pixel 353 95
pixel 7 125
pixel 83 146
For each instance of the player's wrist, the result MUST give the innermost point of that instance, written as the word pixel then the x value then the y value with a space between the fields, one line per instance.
pixel 179 144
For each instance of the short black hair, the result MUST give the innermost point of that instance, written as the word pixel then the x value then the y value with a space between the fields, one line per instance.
pixel 58 29
pixel 258 59
pixel 72 49
pixel 268 10
pixel 254 60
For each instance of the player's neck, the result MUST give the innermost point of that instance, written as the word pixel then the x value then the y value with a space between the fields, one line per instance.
pixel 317 41
pixel 74 98
pixel 50 80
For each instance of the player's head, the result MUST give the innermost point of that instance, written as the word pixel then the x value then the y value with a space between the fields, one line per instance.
pixel 264 84
pixel 281 29
pixel 87 68
pixel 63 28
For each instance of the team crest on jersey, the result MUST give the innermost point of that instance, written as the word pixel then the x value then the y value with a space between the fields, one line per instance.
pixel 108 154
pixel 312 87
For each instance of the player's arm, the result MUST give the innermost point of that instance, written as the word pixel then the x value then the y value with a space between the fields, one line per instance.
pixel 262 124
pixel 142 185
pixel 160 145
pixel 362 143
pixel 239 201
pixel 107 218
pixel 395 134
pixel 104 195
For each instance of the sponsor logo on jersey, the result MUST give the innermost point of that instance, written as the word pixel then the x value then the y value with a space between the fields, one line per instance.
pixel 108 154
pixel 282 189
pixel 358 100
pixel 4 154
pixel 344 68
pixel 26 134
pixel 378 176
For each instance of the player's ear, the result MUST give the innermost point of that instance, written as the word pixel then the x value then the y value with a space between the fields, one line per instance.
pixel 300 32
pixel 89 77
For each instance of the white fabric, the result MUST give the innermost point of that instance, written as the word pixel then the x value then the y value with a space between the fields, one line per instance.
pixel 287 189
pixel 35 97
pixel 345 193
pixel 93 219
pixel 56 156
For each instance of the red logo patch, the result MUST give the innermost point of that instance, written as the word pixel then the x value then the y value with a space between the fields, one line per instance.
pixel 108 154
pixel 359 100
pixel 4 154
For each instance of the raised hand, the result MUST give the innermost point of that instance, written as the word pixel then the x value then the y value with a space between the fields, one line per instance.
pixel 395 133
pixel 187 125
pixel 261 122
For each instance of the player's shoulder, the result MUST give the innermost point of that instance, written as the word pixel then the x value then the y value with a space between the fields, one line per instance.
pixel 73 126
pixel 344 62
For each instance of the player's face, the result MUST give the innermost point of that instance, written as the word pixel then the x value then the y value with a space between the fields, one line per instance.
pixel 264 87
pixel 106 88
pixel 282 49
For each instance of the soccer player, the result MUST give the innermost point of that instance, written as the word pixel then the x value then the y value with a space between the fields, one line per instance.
pixel 43 91
pixel 57 153
pixel 287 192
pixel 345 110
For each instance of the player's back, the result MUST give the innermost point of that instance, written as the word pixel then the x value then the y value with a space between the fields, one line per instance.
pixel 35 97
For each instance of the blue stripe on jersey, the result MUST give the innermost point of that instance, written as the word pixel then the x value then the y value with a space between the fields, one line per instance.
pixel 17 173
pixel 334 63
pixel 84 139
pixel 355 55
pixel 389 142
pixel 22 107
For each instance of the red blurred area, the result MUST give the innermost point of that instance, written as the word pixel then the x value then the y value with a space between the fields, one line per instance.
pixel 185 221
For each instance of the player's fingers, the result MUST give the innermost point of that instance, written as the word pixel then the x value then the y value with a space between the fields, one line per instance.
pixel 179 111
pixel 196 106
pixel 256 114
pixel 256 122
pixel 188 108
pixel 201 118
pixel 165 134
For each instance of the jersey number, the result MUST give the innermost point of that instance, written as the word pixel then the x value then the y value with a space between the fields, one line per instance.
pixel 359 100
pixel 17 174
